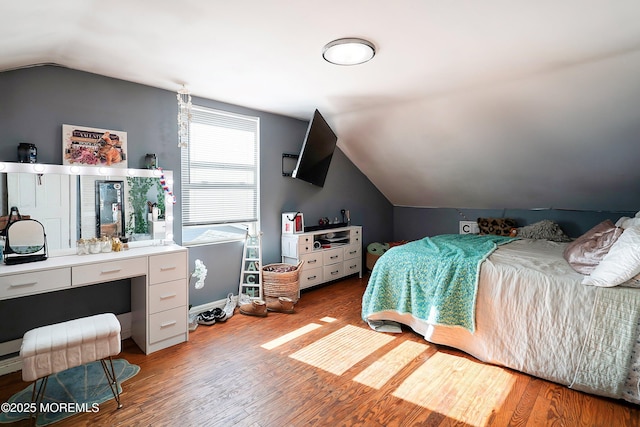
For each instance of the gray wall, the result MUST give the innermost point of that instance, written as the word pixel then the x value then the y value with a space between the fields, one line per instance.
pixel 37 101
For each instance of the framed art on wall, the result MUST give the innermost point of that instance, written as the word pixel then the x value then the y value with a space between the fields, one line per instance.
pixel 86 146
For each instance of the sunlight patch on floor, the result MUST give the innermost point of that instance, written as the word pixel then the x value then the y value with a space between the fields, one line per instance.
pixel 340 350
pixel 462 389
pixel 389 365
pixel 328 319
pixel 290 336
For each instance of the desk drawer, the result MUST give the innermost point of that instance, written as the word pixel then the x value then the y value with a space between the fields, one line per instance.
pixel 167 324
pixel 167 295
pixel 108 271
pixel 16 285
pixel 167 267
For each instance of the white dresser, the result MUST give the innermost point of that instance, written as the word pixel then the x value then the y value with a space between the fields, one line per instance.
pixel 159 286
pixel 327 255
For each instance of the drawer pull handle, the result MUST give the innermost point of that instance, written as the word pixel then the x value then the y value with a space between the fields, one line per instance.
pixel 334 257
pixel 23 285
pixel 167 324
pixel 311 277
pixel 114 270
pixel 352 252
pixel 167 296
pixel 312 261
pixel 333 273
pixel 353 266
pixel 167 268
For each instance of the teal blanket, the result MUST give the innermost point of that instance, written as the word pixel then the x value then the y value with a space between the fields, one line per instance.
pixel 435 279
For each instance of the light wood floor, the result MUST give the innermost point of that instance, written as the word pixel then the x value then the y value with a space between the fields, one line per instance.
pixel 306 369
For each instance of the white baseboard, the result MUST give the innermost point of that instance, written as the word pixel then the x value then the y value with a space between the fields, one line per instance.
pixel 211 305
pixel 13 363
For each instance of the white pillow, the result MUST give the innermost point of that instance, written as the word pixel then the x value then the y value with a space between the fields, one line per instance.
pixel 626 222
pixel 621 221
pixel 620 264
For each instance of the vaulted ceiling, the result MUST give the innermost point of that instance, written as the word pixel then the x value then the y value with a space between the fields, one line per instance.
pixel 492 104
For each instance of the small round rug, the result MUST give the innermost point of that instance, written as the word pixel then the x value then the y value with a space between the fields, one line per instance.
pixel 76 390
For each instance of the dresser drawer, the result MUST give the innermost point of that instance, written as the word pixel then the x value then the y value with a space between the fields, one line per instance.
pixel 311 260
pixel 332 272
pixel 352 251
pixel 108 271
pixel 167 267
pixel 332 256
pixel 352 266
pixel 305 244
pixel 167 324
pixel 16 285
pixel 310 277
pixel 165 296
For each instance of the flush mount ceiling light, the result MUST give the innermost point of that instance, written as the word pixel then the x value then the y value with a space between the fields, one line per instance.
pixel 348 51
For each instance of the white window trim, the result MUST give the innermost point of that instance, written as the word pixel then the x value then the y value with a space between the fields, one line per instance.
pixel 247 225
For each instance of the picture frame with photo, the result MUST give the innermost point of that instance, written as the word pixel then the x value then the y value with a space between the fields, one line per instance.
pixel 88 146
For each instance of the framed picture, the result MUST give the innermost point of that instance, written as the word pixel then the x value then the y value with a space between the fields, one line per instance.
pixel 86 146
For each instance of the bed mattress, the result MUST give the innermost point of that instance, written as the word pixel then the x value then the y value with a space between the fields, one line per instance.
pixel 526 290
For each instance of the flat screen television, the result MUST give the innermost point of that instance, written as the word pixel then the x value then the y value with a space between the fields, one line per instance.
pixel 317 151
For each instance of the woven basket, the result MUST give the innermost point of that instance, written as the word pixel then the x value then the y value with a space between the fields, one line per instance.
pixel 371 260
pixel 275 284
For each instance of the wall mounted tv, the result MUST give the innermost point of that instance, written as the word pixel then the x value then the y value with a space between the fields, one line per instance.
pixel 317 151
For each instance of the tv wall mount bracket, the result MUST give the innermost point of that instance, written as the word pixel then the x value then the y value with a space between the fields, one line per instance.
pixel 294 157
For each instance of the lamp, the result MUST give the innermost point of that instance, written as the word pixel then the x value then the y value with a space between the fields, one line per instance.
pixel 348 51
pixel 184 116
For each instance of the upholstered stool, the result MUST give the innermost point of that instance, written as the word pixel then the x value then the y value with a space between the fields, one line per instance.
pixel 55 348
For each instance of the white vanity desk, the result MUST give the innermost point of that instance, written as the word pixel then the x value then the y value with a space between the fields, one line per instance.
pixel 158 273
pixel 159 286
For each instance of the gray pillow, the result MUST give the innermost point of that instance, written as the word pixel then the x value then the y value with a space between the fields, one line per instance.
pixel 586 252
pixel 543 230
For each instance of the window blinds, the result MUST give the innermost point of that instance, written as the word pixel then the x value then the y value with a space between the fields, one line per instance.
pixel 220 173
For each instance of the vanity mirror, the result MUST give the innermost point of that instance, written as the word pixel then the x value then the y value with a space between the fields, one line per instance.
pixel 66 201
pixel 25 242
pixel 109 208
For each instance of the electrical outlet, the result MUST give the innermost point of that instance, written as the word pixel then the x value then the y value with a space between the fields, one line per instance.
pixel 469 227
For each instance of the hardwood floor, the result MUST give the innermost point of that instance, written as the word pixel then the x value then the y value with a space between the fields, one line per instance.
pixel 306 369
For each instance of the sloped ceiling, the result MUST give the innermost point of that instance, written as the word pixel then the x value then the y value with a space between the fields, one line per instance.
pixel 492 104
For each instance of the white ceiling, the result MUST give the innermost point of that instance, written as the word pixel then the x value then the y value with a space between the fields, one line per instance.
pixel 487 104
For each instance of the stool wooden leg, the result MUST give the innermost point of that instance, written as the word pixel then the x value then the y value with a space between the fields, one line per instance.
pixel 111 379
pixel 36 397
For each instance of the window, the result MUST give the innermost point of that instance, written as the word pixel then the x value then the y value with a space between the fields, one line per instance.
pixel 220 176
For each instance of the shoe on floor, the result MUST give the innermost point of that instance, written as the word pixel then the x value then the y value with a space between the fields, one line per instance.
pixel 206 318
pixel 281 305
pixel 219 314
pixel 229 307
pixel 254 308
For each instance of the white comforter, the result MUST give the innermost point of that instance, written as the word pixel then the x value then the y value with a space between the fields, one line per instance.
pixel 532 315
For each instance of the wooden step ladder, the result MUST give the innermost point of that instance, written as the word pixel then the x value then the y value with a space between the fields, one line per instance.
pixel 251 270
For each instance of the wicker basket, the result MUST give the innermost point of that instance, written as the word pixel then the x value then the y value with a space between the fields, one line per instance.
pixel 276 284
pixel 371 260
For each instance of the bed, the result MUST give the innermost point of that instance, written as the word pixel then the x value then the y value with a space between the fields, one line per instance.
pixel 524 307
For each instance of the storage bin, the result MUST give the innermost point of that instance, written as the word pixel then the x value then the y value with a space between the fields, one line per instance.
pixel 371 260
pixel 281 280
